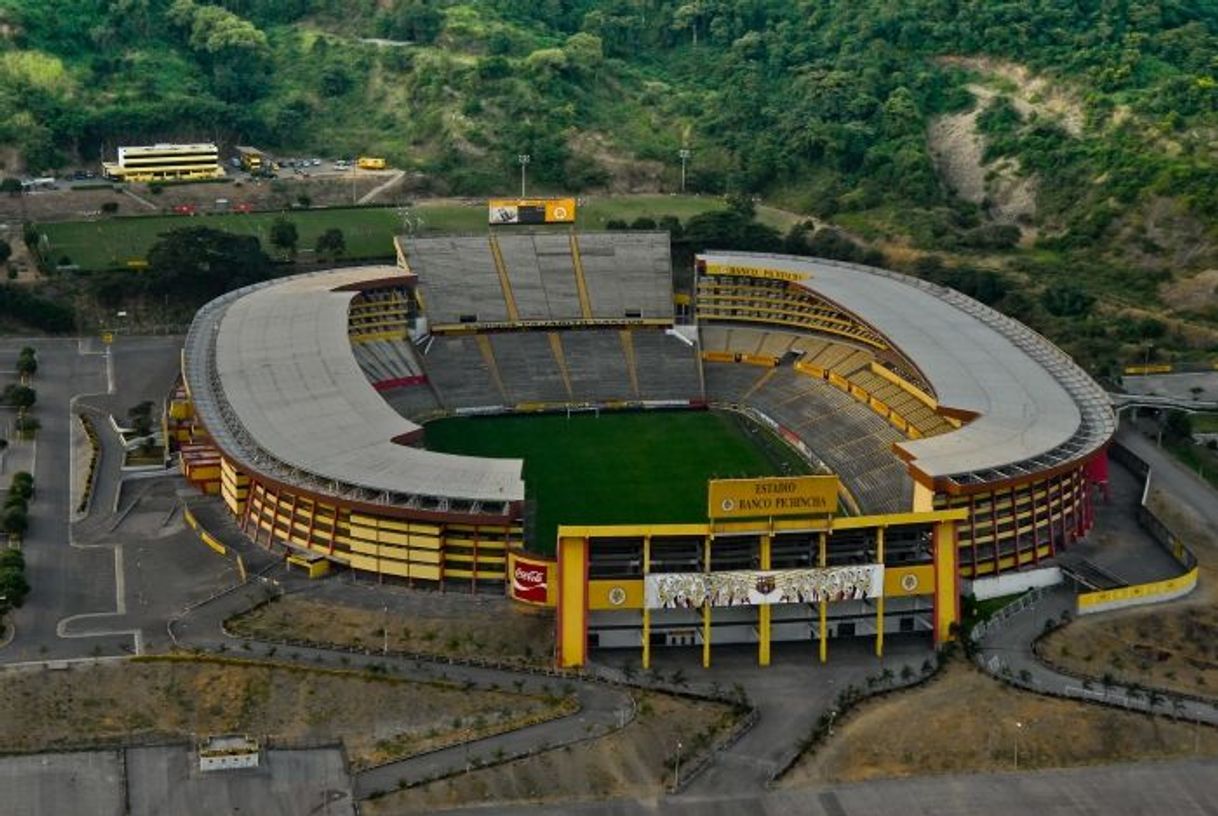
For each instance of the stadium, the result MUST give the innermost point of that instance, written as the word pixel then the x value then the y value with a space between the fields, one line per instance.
pixel 540 413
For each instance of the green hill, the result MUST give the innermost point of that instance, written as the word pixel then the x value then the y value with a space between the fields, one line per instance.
pixel 1067 147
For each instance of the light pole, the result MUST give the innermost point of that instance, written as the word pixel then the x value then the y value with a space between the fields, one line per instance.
pixel 1018 728
pixel 676 776
pixel 684 153
pixel 385 630
pixel 524 159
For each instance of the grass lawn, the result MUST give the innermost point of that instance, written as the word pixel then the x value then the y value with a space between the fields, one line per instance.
pixel 102 244
pixel 368 231
pixel 1205 423
pixel 616 468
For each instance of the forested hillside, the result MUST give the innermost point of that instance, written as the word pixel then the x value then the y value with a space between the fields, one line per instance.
pixel 1082 132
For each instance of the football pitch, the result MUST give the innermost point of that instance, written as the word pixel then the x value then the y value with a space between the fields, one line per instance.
pixel 647 467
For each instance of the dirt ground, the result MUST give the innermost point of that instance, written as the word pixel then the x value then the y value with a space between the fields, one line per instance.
pixel 378 718
pixel 66 204
pixel 965 721
pixel 1169 646
pixel 434 625
pixel 632 762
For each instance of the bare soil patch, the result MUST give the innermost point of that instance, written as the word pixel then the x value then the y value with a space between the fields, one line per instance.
pixel 434 625
pixel 635 761
pixel 377 717
pixel 1031 94
pixel 1172 646
pixel 1193 294
pixel 965 721
pixel 958 149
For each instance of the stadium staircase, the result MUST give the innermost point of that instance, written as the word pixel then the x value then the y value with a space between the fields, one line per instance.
pixel 581 283
pixel 505 282
pixel 561 359
pixel 492 366
pixel 632 369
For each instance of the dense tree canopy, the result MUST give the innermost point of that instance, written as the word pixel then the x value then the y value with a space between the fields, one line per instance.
pixel 197 264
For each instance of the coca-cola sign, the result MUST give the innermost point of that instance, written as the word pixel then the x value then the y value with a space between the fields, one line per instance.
pixel 530 580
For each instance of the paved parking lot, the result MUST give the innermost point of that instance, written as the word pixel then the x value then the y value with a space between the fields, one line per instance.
pixel 166 780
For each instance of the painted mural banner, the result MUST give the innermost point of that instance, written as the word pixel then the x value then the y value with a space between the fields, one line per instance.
pixel 689 590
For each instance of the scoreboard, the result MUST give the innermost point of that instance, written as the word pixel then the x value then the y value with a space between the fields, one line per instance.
pixel 531 211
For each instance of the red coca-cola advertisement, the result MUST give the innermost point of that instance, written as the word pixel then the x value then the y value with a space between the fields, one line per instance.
pixel 530 580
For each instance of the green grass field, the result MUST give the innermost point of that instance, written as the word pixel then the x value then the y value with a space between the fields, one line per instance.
pixel 617 468
pixel 368 231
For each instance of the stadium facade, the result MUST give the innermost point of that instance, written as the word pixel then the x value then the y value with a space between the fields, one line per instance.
pixel 964 444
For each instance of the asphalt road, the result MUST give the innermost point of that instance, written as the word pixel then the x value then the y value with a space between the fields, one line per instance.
pixel 78 572
pixel 64 580
pixel 1186 788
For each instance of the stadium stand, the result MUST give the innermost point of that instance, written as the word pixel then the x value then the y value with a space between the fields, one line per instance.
pixel 556 368
pixel 598 367
pixel 460 374
pixel 415 402
pixel 514 278
pixel 627 278
pixel 848 437
pixel 528 368
pixel 667 368
pixel 462 283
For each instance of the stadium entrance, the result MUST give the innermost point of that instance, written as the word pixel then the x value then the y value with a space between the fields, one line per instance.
pixel 772 563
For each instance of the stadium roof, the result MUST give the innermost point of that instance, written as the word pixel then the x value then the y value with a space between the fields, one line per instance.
pixel 279 380
pixel 1036 408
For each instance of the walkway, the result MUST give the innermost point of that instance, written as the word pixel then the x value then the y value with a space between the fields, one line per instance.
pixel 603 708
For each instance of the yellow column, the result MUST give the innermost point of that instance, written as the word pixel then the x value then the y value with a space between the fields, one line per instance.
pixel 573 600
pixel 879 602
pixel 824 604
pixel 763 617
pixel 706 608
pixel 646 611
pixel 947 574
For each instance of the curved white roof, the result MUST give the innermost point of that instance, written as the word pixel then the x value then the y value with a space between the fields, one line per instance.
pixel 1035 406
pixel 282 366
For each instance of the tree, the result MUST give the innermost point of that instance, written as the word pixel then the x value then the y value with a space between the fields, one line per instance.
pixel 16 522
pixel 12 559
pixel 584 52
pixel 413 20
pixel 1178 424
pixel 6 250
pixel 13 585
pixel 284 236
pixel 197 264
pixel 141 418
pixel 331 243
pixel 22 397
pixel 27 365
pixel 1066 300
pixel 10 185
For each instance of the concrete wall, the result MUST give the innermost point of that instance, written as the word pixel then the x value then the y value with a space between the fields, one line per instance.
pixel 1012 583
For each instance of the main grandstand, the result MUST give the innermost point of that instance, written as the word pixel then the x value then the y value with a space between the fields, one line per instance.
pixel 965 444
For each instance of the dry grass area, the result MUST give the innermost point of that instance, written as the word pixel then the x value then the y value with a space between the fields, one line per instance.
pixel 632 762
pixel 378 718
pixel 1172 646
pixel 965 721
pixel 432 626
